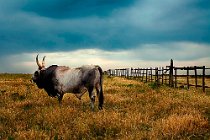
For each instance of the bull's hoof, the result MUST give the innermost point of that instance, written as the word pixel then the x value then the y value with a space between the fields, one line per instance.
pixel 100 107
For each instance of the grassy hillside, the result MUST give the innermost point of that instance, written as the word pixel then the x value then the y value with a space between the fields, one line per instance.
pixel 132 110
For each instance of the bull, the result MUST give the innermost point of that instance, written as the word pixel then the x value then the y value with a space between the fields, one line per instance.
pixel 58 80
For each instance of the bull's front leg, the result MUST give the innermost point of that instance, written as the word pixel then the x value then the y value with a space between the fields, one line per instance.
pixel 60 97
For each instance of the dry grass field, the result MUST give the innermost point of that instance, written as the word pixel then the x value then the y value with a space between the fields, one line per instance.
pixel 132 110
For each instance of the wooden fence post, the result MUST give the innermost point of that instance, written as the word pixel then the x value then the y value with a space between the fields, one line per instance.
pixel 140 73
pixel 127 73
pixel 196 79
pixel 162 75
pixel 142 76
pixel 203 79
pixel 151 74
pixel 137 72
pixel 118 72
pixel 157 78
pixel 188 84
pixel 146 75
pixel 131 72
pixel 171 74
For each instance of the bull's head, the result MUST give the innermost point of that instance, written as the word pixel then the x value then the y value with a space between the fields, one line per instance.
pixel 37 77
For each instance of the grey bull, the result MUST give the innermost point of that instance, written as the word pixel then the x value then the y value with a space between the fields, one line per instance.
pixel 58 80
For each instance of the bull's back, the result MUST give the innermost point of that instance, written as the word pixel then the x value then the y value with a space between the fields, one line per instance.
pixel 76 79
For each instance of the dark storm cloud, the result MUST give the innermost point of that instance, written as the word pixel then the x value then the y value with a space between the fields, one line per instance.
pixel 75 8
pixel 65 25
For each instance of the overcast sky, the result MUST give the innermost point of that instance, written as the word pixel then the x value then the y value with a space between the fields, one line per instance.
pixel 110 33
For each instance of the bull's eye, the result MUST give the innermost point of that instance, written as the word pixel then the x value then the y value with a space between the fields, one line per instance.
pixel 36 73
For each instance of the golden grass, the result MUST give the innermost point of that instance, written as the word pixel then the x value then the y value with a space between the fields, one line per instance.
pixel 132 110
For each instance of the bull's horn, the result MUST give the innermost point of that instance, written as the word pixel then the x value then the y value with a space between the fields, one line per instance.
pixel 37 61
pixel 43 62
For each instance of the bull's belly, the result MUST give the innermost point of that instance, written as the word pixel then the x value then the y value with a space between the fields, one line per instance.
pixel 76 90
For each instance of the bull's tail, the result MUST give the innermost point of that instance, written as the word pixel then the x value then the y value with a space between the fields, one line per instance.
pixel 101 95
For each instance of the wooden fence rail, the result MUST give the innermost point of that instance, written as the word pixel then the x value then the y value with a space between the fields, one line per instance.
pixel 168 75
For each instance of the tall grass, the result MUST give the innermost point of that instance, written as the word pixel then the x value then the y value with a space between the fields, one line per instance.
pixel 132 110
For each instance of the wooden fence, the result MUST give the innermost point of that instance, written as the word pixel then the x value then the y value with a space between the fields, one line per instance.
pixel 168 75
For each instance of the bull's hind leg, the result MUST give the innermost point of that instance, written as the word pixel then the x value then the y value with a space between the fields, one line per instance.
pixel 100 96
pixel 92 97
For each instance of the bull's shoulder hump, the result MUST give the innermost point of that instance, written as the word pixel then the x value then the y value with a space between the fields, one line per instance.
pixel 88 67
pixel 63 68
